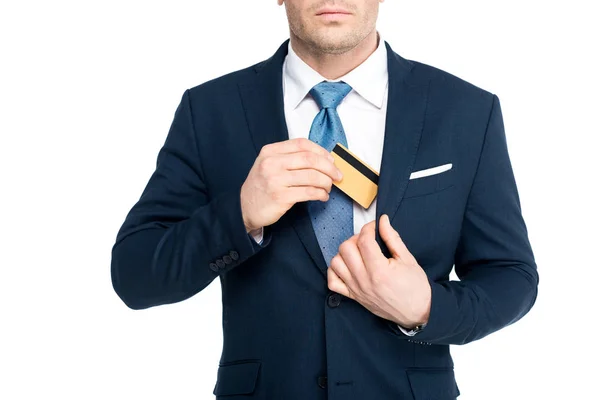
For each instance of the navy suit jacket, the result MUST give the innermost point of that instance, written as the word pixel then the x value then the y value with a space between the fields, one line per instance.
pixel 285 334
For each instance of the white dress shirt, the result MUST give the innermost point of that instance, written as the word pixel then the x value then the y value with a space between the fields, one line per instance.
pixel 362 113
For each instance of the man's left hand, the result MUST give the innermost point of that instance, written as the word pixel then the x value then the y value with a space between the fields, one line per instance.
pixel 394 288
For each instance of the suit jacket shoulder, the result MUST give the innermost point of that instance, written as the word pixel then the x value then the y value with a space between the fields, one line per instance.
pixel 448 81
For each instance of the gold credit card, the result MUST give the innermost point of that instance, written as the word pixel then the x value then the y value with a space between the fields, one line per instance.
pixel 359 180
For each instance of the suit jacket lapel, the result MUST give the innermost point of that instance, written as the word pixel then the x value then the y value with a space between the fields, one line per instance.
pixel 407 100
pixel 262 99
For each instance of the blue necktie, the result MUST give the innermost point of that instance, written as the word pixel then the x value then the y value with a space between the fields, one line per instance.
pixel 331 220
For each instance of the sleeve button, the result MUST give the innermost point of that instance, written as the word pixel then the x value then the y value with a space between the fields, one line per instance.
pixel 220 263
pixel 227 259
pixel 214 267
pixel 234 255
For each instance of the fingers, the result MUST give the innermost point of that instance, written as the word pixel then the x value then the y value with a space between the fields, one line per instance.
pixel 393 241
pixel 296 194
pixel 354 263
pixel 335 284
pixel 368 246
pixel 308 177
pixel 294 146
pixel 270 190
pixel 306 160
pixel 299 176
pixel 338 265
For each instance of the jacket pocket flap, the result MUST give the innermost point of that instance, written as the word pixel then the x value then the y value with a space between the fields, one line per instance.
pixel 433 384
pixel 239 378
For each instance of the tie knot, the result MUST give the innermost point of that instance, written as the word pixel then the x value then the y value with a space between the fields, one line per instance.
pixel 330 94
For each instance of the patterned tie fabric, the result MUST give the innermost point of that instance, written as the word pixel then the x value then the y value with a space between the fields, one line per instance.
pixel 332 220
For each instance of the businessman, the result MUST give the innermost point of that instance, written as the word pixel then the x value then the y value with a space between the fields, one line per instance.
pixel 322 297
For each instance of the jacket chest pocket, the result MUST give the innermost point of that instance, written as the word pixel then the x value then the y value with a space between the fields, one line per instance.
pixel 431 180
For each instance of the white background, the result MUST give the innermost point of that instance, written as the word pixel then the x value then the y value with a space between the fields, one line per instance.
pixel 88 90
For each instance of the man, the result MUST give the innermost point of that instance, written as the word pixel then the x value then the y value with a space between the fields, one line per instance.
pixel 323 298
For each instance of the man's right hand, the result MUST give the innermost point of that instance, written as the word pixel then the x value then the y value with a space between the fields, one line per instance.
pixel 283 174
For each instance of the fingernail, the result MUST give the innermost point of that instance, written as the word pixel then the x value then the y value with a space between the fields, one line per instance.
pixel 339 175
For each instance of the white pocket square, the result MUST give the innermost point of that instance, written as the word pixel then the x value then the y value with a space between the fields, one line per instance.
pixel 430 171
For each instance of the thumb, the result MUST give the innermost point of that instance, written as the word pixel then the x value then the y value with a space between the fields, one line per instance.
pixel 391 237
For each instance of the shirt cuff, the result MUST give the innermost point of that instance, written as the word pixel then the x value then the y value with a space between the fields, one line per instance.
pixel 257 235
pixel 411 332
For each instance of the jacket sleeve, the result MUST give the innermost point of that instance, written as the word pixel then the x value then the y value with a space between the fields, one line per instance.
pixel 493 260
pixel 177 238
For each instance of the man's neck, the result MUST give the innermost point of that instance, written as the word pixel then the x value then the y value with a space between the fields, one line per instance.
pixel 332 66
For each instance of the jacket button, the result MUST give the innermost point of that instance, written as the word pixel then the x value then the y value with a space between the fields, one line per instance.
pixel 220 263
pixel 227 259
pixel 334 300
pixel 214 267
pixel 234 255
pixel 322 382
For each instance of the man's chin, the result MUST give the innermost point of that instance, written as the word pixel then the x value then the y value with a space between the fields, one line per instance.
pixel 333 44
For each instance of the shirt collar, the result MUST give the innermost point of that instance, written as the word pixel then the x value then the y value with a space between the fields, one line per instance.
pixel 369 79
